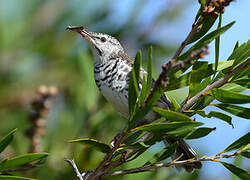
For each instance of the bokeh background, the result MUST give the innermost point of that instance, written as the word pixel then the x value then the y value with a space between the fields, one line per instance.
pixel 36 49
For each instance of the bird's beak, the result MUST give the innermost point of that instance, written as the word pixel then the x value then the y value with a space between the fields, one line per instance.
pixel 80 30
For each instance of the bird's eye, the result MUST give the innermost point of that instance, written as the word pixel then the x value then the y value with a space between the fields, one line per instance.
pixel 103 39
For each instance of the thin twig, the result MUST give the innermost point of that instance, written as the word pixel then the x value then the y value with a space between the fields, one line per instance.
pixel 73 164
pixel 173 163
pixel 108 157
pixel 216 84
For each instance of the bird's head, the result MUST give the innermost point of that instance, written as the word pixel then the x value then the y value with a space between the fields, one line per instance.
pixel 102 45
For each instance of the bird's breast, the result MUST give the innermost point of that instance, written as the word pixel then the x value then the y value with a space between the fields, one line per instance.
pixel 112 81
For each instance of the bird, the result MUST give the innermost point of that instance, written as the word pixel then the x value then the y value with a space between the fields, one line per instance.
pixel 112 67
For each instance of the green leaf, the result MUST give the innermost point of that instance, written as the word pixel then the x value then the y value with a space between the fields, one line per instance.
pixel 235 110
pixel 137 67
pixel 234 87
pixel 243 82
pixel 184 80
pixel 241 53
pixel 226 96
pixel 133 92
pixel 221 116
pixel 138 145
pixel 207 24
pixel 5 141
pixel 8 177
pixel 236 46
pixel 198 72
pixel 171 115
pixel 211 114
pixel 174 104
pixel 180 132
pixel 23 159
pixel 237 171
pixel 217 46
pixel 222 65
pixel 166 127
pixel 242 141
pixel 247 147
pixel 245 154
pixel 200 132
pixel 143 91
pixel 149 71
pixel 180 82
pixel 163 154
pixel 92 143
pixel 243 74
pixel 133 137
pixel 168 151
pixel 138 116
pixel 207 39
pixel 203 102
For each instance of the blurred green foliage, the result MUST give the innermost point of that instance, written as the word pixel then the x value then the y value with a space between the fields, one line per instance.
pixel 36 49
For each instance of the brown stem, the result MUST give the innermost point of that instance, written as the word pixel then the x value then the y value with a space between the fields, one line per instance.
pixel 173 163
pixel 108 157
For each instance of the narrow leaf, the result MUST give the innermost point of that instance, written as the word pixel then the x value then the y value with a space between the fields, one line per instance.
pixel 163 154
pixel 207 39
pixel 234 87
pixel 5 141
pixel 138 116
pixel 200 132
pixel 174 104
pixel 198 72
pixel 243 82
pixel 235 110
pixel 171 115
pixel 143 91
pixel 226 96
pixel 245 154
pixel 241 53
pixel 149 70
pixel 217 46
pixel 23 159
pixel 221 116
pixel 8 177
pixel 242 141
pixel 207 24
pixel 170 126
pixel 211 114
pixel 237 171
pixel 132 137
pixel 236 46
pixel 184 80
pixel 137 66
pixel 92 143
pixel 132 92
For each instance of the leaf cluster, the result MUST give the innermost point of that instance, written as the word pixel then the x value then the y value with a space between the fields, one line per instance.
pixel 25 161
pixel 180 123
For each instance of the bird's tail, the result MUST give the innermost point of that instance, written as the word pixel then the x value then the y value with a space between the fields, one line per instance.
pixel 184 151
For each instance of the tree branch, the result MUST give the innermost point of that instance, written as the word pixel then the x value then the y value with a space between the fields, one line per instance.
pixel 173 163
pixel 109 156
pixel 73 164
